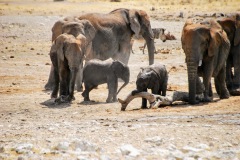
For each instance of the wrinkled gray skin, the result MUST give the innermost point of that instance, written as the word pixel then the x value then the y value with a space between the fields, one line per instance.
pixel 113 34
pixel 67 55
pixel 97 72
pixel 232 27
pixel 206 47
pixel 154 77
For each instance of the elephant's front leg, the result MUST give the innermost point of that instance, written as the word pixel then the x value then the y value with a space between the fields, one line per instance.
pixel 73 74
pixel 112 90
pixel 79 79
pixel 51 80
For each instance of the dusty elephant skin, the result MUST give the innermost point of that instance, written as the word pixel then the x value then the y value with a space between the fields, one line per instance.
pixel 67 55
pixel 232 27
pixel 154 77
pixel 113 34
pixel 97 72
pixel 206 47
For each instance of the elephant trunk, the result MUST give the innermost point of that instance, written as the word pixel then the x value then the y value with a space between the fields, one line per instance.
pixel 192 76
pixel 151 47
pixel 122 87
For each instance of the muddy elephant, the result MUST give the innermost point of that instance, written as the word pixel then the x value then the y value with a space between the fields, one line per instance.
pixel 113 34
pixel 67 55
pixel 97 72
pixel 154 77
pixel 231 26
pixel 206 47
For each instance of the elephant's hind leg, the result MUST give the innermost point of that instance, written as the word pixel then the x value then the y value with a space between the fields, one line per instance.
pixel 220 85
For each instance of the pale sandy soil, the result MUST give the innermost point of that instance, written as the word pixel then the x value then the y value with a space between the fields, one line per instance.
pixel 32 127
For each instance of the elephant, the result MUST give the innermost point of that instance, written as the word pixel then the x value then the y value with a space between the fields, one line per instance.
pixel 206 48
pixel 96 72
pixel 231 26
pixel 158 33
pixel 154 77
pixel 114 31
pixel 67 55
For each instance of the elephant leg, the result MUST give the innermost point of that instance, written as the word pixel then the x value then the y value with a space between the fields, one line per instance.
pixel 64 79
pixel 87 90
pixel 207 74
pixel 144 101
pixel 51 81
pixel 124 52
pixel 144 46
pixel 112 90
pixel 236 77
pixel 73 75
pixel 229 74
pixel 56 84
pixel 220 84
pixel 79 79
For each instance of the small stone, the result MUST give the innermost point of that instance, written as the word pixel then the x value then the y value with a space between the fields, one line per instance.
pixel 156 140
pixel 2 149
pixel 31 48
pixel 11 56
pixel 24 148
pixel 27 64
pixel 47 63
pixel 129 150
pixel 38 53
pixel 62 146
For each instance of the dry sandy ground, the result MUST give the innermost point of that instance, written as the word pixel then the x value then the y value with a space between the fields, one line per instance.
pixel 32 127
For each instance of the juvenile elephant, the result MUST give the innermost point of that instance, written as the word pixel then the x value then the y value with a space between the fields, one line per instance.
pixel 67 54
pixel 113 34
pixel 231 26
pixel 154 77
pixel 206 47
pixel 97 72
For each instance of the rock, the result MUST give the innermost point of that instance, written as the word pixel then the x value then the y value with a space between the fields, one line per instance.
pixel 62 146
pixel 2 149
pixel 84 146
pixel 191 149
pixel 129 150
pixel 11 56
pixel 24 148
pixel 156 140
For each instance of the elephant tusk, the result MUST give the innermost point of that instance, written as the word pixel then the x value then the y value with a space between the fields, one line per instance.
pixel 200 62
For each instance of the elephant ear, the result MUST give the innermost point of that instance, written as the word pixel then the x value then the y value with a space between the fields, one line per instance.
pixel 134 22
pixel 237 32
pixel 89 30
pixel 57 29
pixel 219 46
pixel 215 38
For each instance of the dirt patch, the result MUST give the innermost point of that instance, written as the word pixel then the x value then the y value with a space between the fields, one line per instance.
pixel 33 127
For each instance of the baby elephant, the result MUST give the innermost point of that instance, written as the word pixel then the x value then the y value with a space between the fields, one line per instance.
pixel 154 77
pixel 97 72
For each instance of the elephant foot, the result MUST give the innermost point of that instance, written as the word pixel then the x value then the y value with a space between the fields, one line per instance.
pixel 49 86
pixel 225 96
pixel 79 88
pixel 144 107
pixel 194 102
pixel 207 99
pixel 53 95
pixel 87 99
pixel 62 99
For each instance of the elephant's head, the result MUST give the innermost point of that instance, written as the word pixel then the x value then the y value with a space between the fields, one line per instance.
pixel 81 27
pixel 159 33
pixel 121 71
pixel 143 80
pixel 203 42
pixel 57 29
pixel 140 25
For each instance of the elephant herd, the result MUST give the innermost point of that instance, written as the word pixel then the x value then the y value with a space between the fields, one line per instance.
pixel 104 42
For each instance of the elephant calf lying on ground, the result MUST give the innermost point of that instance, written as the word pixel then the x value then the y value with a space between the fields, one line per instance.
pixel 97 72
pixel 67 54
pixel 154 77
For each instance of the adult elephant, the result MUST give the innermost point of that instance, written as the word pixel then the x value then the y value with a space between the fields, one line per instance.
pixel 113 34
pixel 231 26
pixel 206 47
